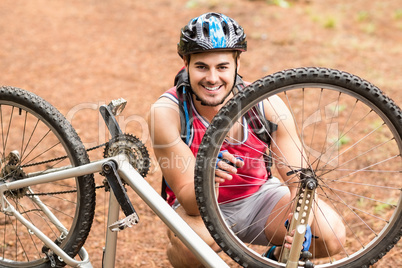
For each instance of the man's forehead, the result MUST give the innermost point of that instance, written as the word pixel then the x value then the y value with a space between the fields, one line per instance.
pixel 222 57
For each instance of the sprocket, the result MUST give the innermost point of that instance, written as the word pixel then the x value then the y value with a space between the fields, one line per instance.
pixel 12 171
pixel 131 146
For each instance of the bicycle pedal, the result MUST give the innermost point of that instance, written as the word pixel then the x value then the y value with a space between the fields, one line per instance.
pixel 122 224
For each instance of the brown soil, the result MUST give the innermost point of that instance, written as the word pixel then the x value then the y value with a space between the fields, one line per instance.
pixel 81 54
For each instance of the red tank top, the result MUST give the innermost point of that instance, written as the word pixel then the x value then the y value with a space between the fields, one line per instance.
pixel 249 178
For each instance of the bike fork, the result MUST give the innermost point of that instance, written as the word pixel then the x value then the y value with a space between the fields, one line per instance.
pixel 304 201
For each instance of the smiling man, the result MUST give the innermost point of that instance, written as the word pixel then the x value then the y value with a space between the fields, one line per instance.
pixel 212 76
pixel 210 46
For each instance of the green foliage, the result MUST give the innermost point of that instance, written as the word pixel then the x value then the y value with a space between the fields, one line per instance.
pixel 381 208
pixel 363 16
pixel 398 14
pixel 330 23
pixel 335 109
pixel 327 21
pixel 281 3
pixel 370 28
pixel 202 3
pixel 344 139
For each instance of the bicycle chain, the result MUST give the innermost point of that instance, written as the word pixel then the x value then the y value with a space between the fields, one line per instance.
pixel 63 192
pixel 57 159
pixel 61 157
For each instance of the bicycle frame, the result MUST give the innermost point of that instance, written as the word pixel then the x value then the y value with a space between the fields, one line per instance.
pixel 200 249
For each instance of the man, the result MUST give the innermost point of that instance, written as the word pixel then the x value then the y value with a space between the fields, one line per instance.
pixel 210 46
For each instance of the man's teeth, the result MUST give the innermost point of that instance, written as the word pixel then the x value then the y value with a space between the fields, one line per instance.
pixel 212 88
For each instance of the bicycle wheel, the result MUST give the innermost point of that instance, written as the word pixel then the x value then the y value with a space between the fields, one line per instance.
pixel 36 138
pixel 350 138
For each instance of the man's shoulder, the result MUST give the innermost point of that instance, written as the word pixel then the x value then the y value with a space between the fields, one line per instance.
pixel 164 120
pixel 171 92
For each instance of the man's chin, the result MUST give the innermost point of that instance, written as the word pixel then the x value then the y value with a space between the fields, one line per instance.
pixel 212 102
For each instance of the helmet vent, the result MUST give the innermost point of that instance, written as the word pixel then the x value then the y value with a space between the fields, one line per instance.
pixel 205 29
pixel 225 28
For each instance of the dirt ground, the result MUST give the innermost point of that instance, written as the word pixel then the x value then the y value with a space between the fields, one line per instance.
pixel 80 54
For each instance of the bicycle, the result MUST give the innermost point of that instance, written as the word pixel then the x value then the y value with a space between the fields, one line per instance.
pixel 43 160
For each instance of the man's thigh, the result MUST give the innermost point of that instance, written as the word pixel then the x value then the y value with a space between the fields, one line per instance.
pixel 249 216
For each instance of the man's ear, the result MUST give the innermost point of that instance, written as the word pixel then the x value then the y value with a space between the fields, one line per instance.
pixel 185 61
pixel 238 63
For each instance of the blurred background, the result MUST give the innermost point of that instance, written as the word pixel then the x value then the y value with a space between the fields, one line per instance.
pixel 81 54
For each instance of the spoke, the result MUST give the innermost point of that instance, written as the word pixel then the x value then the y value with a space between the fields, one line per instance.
pixel 23 211
pixel 367 168
pixel 8 130
pixel 300 146
pixel 42 153
pixel 3 156
pixel 330 226
pixel 353 208
pixel 356 143
pixel 343 134
pixel 358 195
pixel 318 109
pixel 29 140
pixel 354 158
pixel 36 145
pixel 323 150
pixel 370 185
pixel 18 241
pixel 298 129
pixel 23 134
pixel 254 149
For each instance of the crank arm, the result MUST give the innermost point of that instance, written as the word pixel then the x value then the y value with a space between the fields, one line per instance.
pixel 110 171
pixel 109 112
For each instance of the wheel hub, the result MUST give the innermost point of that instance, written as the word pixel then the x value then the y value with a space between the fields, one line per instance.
pixel 12 171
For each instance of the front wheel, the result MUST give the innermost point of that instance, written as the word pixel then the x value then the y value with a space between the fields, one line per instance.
pixel 349 135
pixel 36 139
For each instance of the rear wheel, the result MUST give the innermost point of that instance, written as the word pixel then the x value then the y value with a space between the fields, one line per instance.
pixel 35 139
pixel 351 138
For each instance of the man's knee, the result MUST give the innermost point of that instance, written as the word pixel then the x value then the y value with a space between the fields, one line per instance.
pixel 179 255
pixel 335 245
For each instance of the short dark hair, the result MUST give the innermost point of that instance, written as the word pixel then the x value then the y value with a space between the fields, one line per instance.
pixel 236 54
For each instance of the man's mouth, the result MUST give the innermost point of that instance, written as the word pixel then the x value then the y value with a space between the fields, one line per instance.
pixel 212 88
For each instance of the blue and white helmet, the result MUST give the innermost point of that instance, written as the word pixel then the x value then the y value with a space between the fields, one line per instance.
pixel 211 31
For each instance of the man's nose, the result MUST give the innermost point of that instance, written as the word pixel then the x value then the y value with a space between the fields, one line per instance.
pixel 212 76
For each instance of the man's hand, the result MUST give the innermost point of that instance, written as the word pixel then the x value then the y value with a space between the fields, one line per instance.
pixel 226 164
pixel 307 237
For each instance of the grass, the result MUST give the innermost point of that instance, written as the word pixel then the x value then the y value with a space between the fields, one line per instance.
pixel 398 14
pixel 363 16
pixel 280 3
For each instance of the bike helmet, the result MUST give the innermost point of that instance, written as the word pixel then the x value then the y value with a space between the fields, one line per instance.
pixel 211 31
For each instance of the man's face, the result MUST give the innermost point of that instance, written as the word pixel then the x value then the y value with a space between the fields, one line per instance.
pixel 212 76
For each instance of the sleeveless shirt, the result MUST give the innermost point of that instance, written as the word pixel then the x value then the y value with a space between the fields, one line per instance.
pixel 250 177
